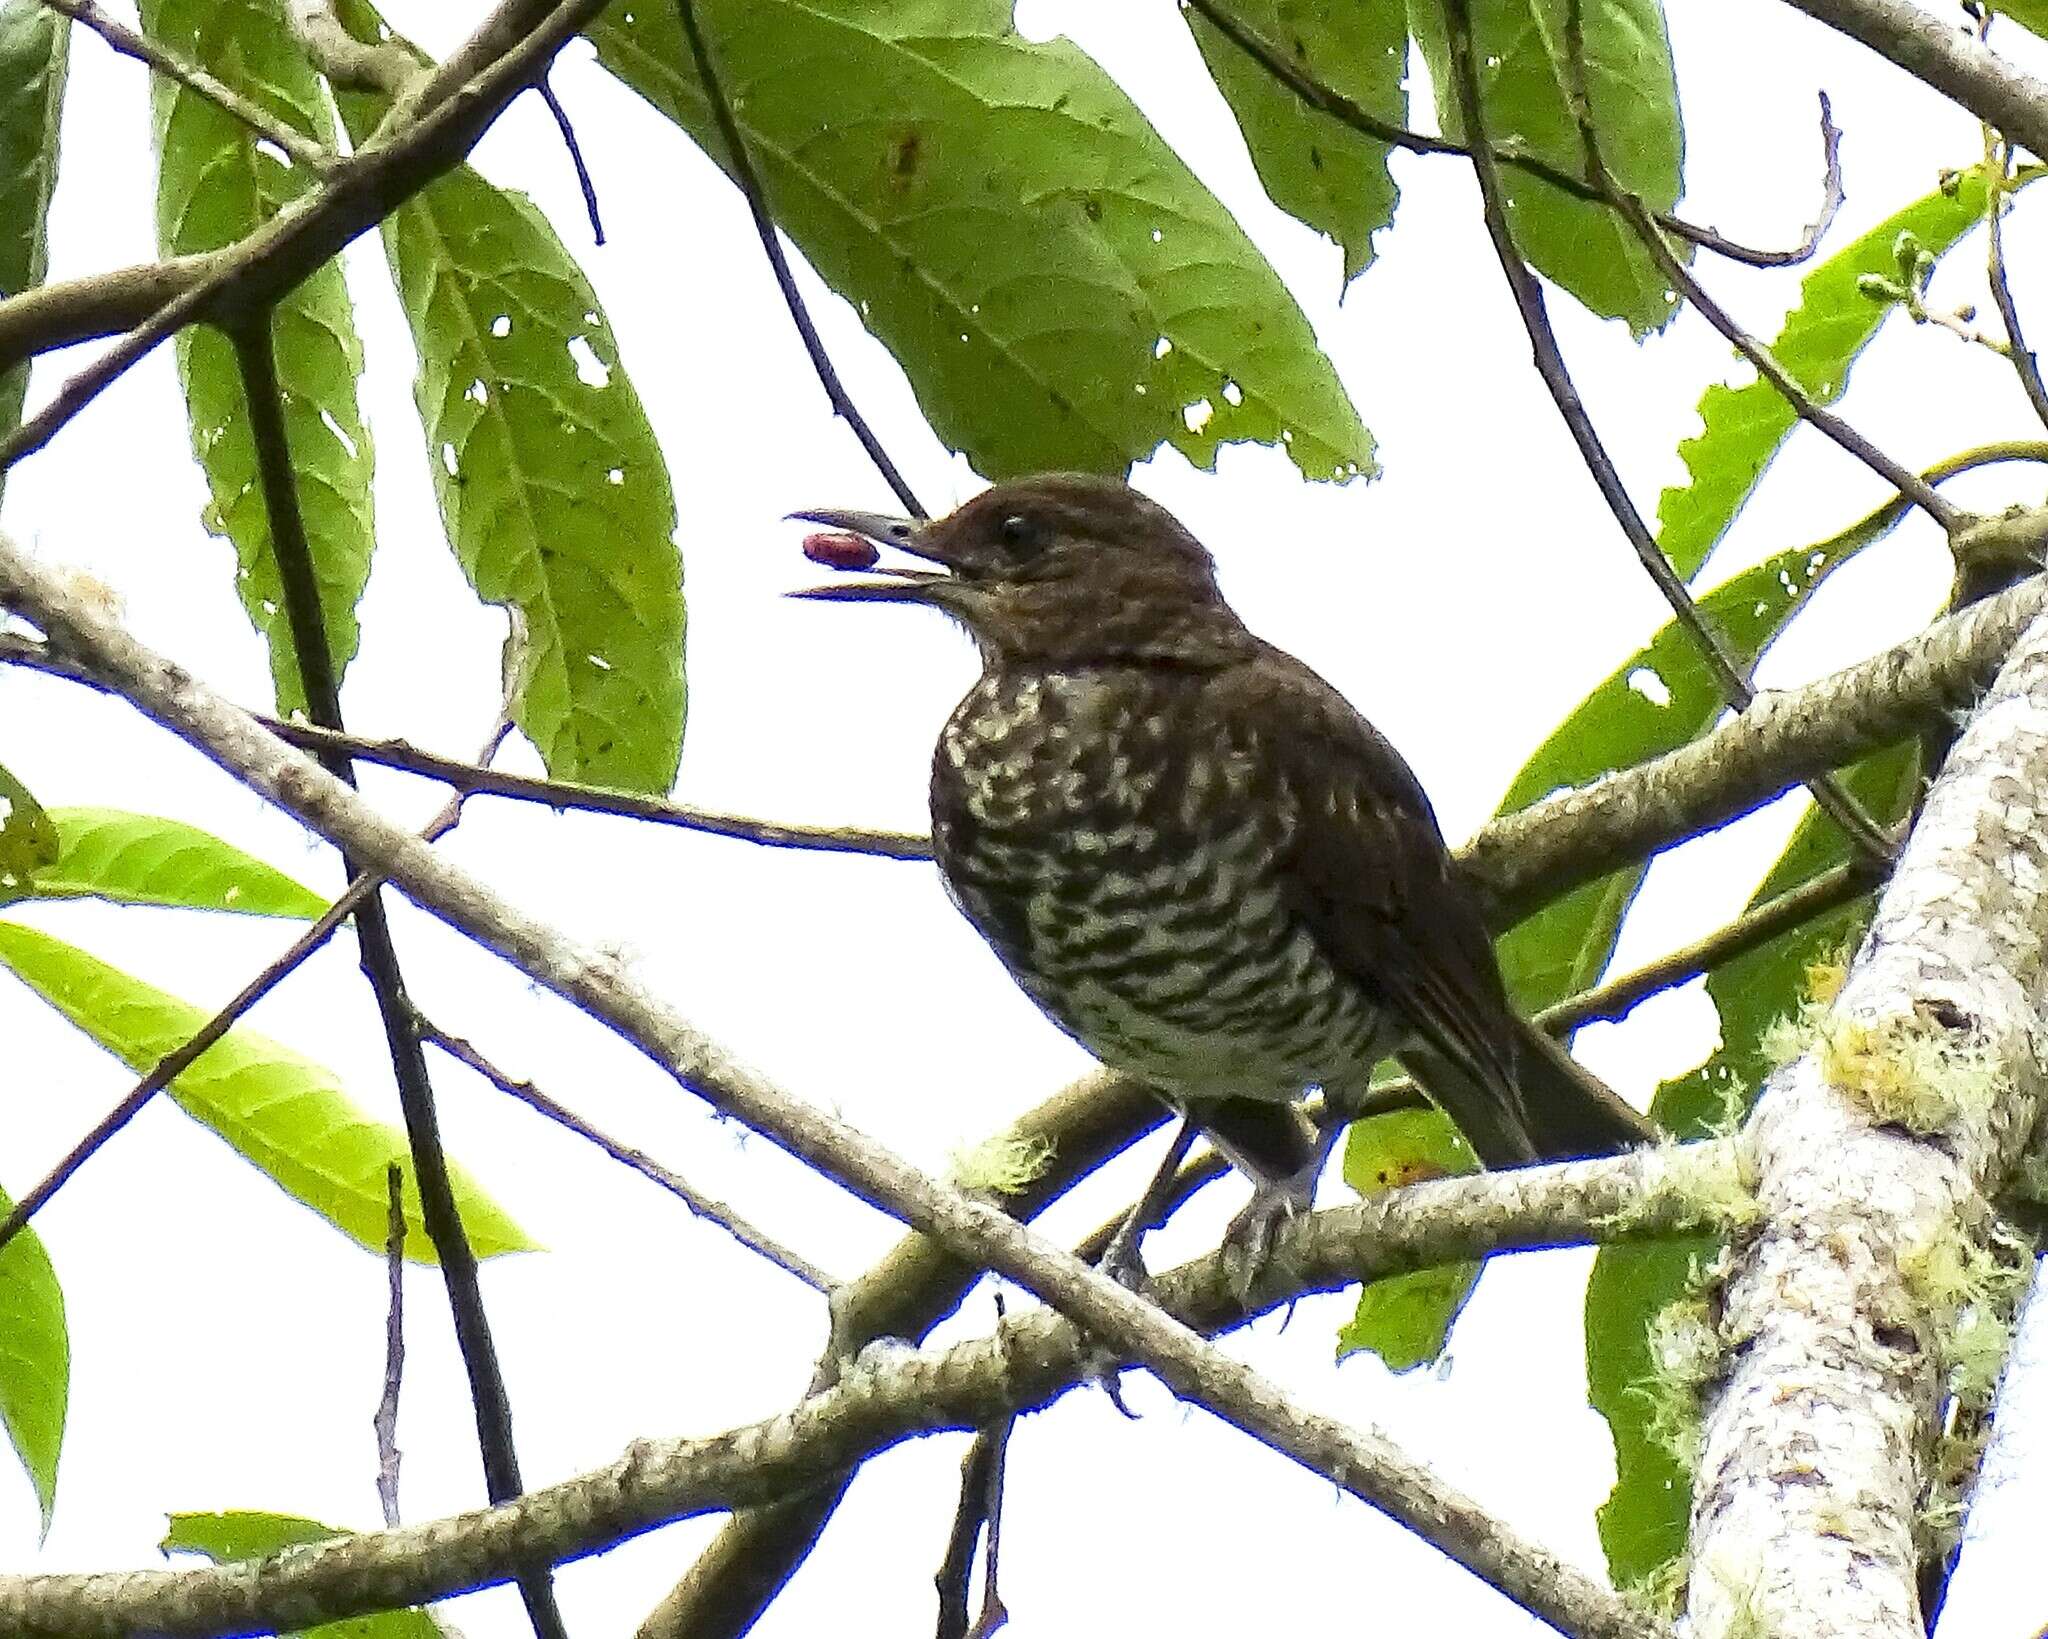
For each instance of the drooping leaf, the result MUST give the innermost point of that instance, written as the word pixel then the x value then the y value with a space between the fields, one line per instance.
pixel 1406 1319
pixel 278 1110
pixel 216 183
pixel 35 1359
pixel 142 859
pixel 1518 47
pixel 1059 287
pixel 1643 1522
pixel 552 487
pixel 247 1533
pixel 1315 167
pixel 28 841
pixel 1743 428
pixel 35 45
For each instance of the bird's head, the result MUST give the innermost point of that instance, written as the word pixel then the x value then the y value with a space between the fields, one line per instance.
pixel 1064 567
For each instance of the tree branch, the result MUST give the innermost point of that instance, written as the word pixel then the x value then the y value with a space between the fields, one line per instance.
pixel 1522 859
pixel 1876 1151
pixel 889 1394
pixel 1928 47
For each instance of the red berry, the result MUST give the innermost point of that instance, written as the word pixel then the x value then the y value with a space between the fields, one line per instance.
pixel 838 550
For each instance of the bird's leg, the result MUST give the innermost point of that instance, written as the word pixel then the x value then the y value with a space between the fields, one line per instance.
pixel 1284 1155
pixel 1121 1259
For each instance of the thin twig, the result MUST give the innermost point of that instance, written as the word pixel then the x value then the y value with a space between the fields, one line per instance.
pixel 359 193
pixel 442 1218
pixel 385 1422
pixel 563 794
pixel 1996 195
pixel 1833 195
pixel 561 117
pixel 1328 100
pixel 1732 676
pixel 1902 478
pixel 162 59
pixel 704 1206
pixel 1614 998
pixel 764 225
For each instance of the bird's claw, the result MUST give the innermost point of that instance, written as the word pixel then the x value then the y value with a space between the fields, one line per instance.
pixel 1249 1242
pixel 1123 1262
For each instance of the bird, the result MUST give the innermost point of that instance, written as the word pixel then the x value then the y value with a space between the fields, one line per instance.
pixel 1195 855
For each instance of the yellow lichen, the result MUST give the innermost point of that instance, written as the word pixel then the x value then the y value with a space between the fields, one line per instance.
pixel 1003 1165
pixel 1910 1071
pixel 1685 1355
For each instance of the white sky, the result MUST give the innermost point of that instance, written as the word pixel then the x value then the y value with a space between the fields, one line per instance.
pixel 227 1345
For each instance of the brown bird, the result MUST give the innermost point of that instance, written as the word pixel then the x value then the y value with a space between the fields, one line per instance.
pixel 1196 856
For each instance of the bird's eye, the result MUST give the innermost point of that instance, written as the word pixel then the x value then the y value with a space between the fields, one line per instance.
pixel 1018 532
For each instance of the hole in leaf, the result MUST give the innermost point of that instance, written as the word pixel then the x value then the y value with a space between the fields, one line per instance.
pixel 590 369
pixel 1650 686
pixel 340 432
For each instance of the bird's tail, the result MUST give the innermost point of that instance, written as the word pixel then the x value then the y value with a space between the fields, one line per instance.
pixel 1543 1106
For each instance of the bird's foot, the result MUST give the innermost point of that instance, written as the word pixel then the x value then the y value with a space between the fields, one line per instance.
pixel 1249 1242
pixel 1123 1261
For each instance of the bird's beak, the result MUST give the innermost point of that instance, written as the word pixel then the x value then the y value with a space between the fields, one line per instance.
pixel 904 585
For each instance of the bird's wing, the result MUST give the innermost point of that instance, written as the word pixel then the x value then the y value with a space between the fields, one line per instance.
pixel 1371 880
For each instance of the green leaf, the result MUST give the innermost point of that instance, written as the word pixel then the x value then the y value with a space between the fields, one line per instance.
pixel 1743 428
pixel 247 1533
pixel 216 185
pixel 1058 286
pixel 1643 1522
pixel 285 1114
pixel 28 841
pixel 1405 1319
pixel 552 487
pixel 2031 15
pixel 140 859
pixel 1519 49
pixel 35 46
pixel 1660 698
pixel 35 1359
pixel 1314 167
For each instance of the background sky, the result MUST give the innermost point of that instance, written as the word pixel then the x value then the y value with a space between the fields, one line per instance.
pixel 227 1345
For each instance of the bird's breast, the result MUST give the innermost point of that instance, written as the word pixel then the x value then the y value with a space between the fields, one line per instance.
pixel 1117 841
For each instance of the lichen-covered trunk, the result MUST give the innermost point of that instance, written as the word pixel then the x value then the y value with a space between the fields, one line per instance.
pixel 1864 1312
